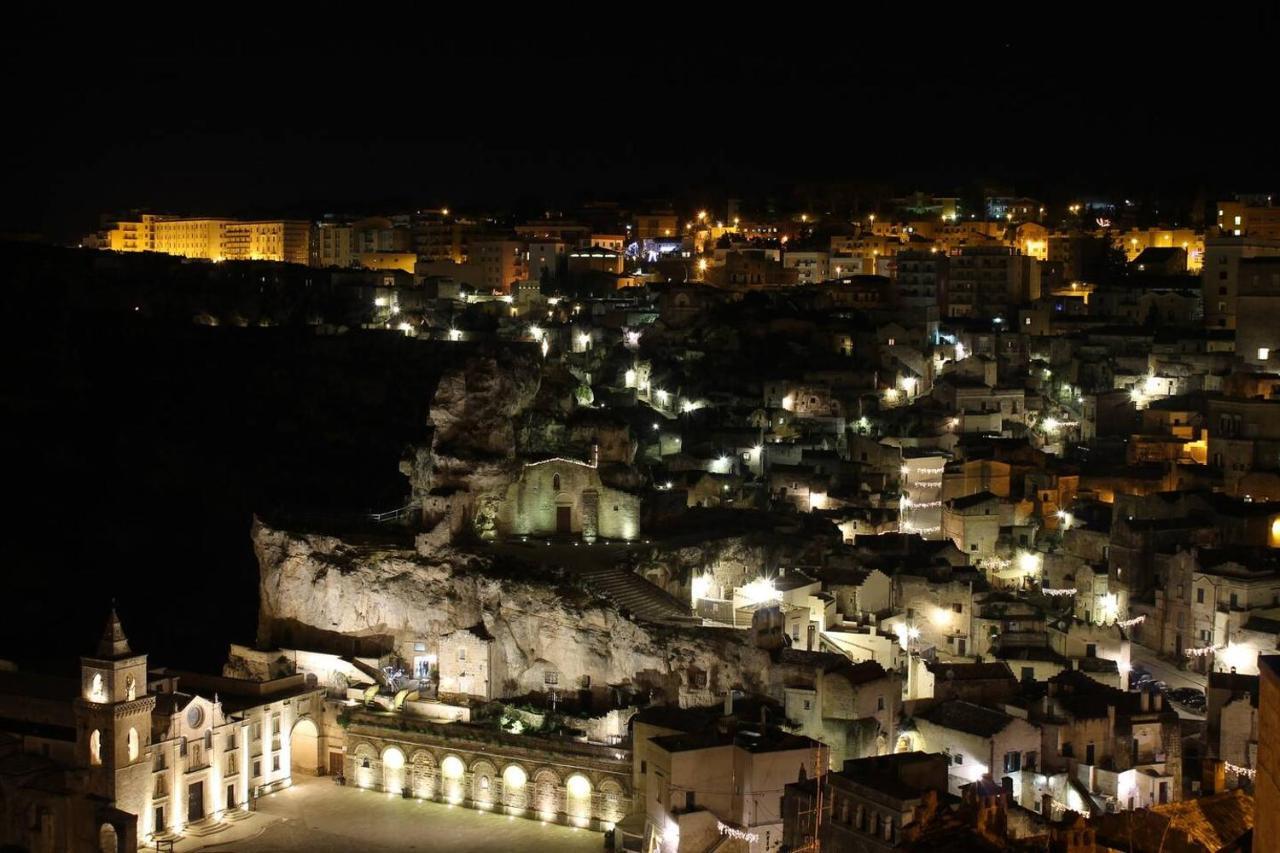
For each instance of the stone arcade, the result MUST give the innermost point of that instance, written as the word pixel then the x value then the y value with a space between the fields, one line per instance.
pixel 581 784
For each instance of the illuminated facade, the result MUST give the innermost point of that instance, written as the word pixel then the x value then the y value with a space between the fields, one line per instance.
pixel 151 757
pixel 1135 241
pixel 580 784
pixel 212 239
pixel 1238 219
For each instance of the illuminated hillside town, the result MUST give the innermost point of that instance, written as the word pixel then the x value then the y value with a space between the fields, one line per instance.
pixel 553 500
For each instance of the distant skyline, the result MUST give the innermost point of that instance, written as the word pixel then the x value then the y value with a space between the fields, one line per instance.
pixel 530 117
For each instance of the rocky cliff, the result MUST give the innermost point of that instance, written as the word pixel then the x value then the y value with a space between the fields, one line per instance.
pixel 458 480
pixel 322 593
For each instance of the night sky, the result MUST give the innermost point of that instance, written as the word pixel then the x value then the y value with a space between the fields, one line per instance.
pixel 327 112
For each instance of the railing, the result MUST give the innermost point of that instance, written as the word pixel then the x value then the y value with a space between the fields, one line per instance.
pixel 393 514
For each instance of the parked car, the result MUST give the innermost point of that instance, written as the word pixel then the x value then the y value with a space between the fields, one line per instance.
pixel 1190 698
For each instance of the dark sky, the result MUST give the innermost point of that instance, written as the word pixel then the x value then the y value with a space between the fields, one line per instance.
pixel 322 110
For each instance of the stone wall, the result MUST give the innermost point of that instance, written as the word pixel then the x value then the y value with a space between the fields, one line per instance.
pixel 563 781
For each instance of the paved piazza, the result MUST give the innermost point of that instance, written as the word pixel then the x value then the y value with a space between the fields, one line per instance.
pixel 319 816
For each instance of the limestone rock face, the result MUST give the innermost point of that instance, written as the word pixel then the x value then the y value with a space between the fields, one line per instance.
pixel 321 593
pixel 475 404
pixel 473 447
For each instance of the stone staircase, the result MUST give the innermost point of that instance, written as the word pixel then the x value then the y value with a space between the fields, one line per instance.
pixel 631 591
pixel 204 828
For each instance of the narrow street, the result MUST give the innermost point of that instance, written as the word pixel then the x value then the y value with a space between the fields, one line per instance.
pixel 1162 670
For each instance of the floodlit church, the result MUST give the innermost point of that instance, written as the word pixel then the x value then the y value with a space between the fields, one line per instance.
pixel 126 755
pixel 566 497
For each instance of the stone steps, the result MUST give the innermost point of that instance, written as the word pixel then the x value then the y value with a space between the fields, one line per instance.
pixel 631 591
pixel 204 828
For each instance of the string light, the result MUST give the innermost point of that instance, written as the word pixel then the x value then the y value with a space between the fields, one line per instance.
pixel 1068 591
pixel 738 834
pixel 1247 772
pixel 1129 623
pixel 1200 653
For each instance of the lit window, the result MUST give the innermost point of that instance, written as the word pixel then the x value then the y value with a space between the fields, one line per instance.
pixel 1263 353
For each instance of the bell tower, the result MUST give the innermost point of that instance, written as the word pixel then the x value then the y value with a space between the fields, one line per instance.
pixel 113 720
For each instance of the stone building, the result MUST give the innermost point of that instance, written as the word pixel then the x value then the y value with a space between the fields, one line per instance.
pixel 688 807
pixel 157 760
pixel 470 665
pixel 939 606
pixel 1124 747
pixel 979 741
pixel 871 800
pixel 973 523
pixel 565 497
pixel 1232 720
pixel 852 708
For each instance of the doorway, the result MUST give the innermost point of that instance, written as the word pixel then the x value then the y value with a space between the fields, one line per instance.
pixel 335 763
pixel 563 520
pixel 304 748
pixel 231 797
pixel 195 802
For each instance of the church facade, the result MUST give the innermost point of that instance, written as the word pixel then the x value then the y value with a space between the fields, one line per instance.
pixel 566 498
pixel 141 758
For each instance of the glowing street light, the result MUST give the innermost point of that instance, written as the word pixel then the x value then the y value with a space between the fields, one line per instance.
pixel 759 591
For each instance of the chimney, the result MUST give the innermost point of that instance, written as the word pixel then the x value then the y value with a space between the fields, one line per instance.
pixel 728 703
pixel 1158 702
pixel 595 454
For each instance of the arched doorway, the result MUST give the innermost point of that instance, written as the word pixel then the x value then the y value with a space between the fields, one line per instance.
pixel 452 771
pixel 393 770
pixel 577 801
pixel 304 748
pixel 108 839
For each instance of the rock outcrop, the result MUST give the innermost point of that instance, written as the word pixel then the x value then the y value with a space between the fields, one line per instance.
pixel 472 456
pixel 325 594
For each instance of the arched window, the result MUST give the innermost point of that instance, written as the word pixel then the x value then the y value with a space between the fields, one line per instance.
pixel 555 482
pixel 131 688
pixel 95 747
pixel 96 690
pixel 133 744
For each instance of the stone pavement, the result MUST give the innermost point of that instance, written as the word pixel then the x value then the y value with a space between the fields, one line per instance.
pixel 317 816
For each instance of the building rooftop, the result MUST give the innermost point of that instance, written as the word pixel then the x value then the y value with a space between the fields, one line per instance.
pixel 970 671
pixel 967 717
pixel 771 740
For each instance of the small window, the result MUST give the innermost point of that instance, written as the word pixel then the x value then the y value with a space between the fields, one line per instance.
pixel 555 482
pixel 959 758
pixel 879 703
pixel 1264 353
pixel 1199 595
pixel 551 677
